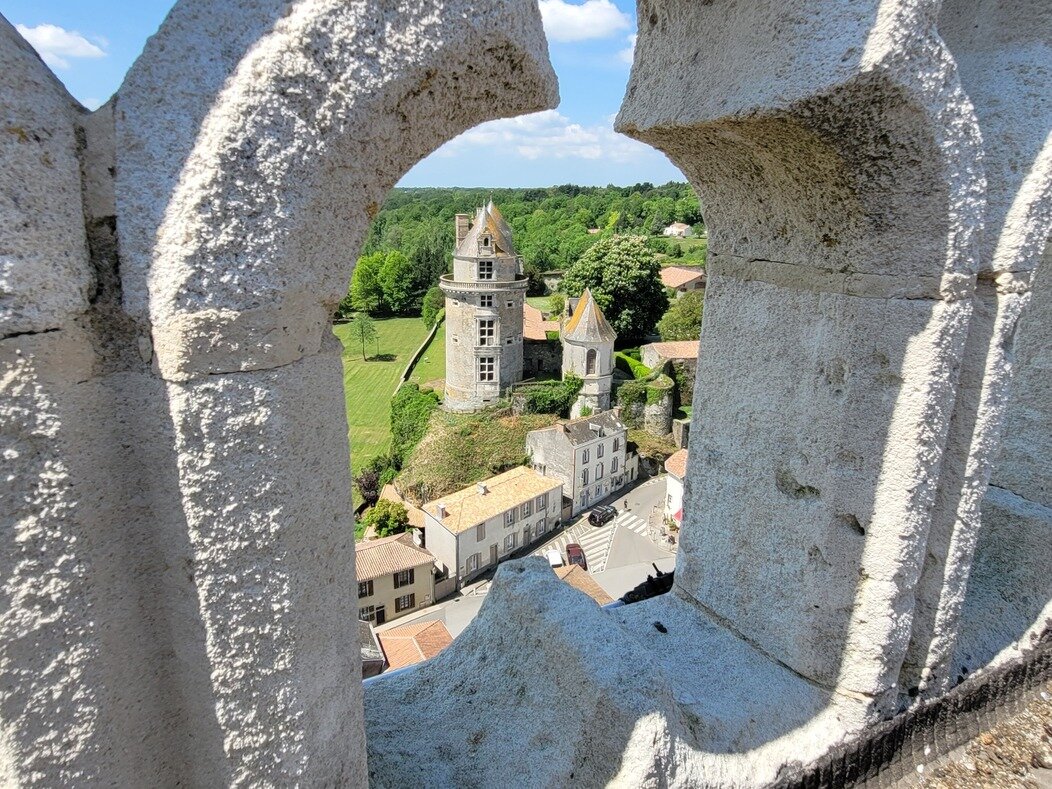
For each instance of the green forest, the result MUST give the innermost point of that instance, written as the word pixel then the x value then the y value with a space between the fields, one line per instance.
pixel 410 242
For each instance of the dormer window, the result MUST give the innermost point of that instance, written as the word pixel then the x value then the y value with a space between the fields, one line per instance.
pixel 485 242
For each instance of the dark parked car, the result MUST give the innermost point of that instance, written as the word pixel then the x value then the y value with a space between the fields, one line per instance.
pixel 575 555
pixel 602 514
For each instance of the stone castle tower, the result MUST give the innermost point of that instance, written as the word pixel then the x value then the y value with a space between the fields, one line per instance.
pixel 484 300
pixel 588 352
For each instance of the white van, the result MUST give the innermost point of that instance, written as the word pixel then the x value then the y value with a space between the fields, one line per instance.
pixel 555 559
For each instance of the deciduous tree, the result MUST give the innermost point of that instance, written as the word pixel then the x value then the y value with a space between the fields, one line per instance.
pixel 623 276
pixel 683 319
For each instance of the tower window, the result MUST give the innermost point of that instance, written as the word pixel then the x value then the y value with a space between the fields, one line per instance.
pixel 485 269
pixel 487 331
pixel 486 300
pixel 589 364
pixel 486 368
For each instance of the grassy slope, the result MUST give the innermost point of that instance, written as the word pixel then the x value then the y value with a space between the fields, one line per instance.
pixel 460 449
pixel 432 365
pixel 368 385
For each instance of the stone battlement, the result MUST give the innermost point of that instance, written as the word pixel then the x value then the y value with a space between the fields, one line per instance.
pixel 867 501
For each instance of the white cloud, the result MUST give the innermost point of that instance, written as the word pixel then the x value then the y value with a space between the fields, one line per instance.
pixel 565 21
pixel 57 45
pixel 548 135
pixel 628 53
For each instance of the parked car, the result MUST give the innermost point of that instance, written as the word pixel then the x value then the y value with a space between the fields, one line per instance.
pixel 555 559
pixel 575 555
pixel 602 514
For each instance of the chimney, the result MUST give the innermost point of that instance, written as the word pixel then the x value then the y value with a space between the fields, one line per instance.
pixel 441 511
pixel 483 490
pixel 462 227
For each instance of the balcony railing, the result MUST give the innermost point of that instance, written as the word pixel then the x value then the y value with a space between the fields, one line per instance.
pixel 447 282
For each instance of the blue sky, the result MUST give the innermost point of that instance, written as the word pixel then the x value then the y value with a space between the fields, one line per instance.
pixel 91 44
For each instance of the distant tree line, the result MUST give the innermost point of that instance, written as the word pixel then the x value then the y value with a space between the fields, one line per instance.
pixel 410 243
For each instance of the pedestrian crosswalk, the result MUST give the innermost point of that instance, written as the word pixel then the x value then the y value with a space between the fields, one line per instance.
pixel 594 541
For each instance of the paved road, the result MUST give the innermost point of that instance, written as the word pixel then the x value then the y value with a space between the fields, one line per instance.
pixel 594 541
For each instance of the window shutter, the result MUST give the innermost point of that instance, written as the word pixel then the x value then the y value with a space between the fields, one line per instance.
pixel 412 576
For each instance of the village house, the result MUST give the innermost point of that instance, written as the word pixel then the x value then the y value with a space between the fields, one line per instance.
pixel 676 466
pixel 589 456
pixel 413 643
pixel 682 279
pixel 655 354
pixel 582 580
pixel 678 230
pixel 395 577
pixel 373 661
pixel 477 527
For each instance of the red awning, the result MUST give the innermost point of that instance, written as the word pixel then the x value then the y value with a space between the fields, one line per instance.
pixel 678 517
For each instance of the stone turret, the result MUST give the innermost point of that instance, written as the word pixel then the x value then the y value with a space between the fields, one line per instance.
pixel 588 352
pixel 484 299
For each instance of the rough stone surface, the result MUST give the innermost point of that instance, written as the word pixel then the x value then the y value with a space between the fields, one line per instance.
pixel 233 193
pixel 178 600
pixel 45 274
pixel 177 595
pixel 1004 59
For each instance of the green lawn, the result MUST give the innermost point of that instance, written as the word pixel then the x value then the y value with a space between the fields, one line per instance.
pixel 369 385
pixel 432 365
pixel 540 302
pixel 695 251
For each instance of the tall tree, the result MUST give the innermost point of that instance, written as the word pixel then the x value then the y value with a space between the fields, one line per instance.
pixel 363 329
pixel 434 301
pixel 683 319
pixel 624 277
pixel 396 281
pixel 366 292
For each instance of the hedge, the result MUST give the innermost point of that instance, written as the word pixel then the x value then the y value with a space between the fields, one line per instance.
pixel 633 367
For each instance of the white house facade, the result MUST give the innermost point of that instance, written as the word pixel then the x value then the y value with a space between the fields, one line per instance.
pixel 589 456
pixel 477 527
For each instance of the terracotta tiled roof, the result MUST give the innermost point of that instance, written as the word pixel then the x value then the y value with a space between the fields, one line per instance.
pixel 583 581
pixel 468 507
pixel 534 326
pixel 414 642
pixel 588 324
pixel 678 349
pixel 676 465
pixel 416 515
pixel 376 558
pixel 675 277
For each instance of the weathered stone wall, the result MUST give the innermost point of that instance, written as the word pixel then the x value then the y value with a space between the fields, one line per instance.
pixel 541 357
pixel 178 585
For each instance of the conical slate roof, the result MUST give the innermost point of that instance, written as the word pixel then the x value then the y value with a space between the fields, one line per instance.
pixel 588 324
pixel 488 219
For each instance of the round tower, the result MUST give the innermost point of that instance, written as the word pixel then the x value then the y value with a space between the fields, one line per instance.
pixel 588 352
pixel 484 299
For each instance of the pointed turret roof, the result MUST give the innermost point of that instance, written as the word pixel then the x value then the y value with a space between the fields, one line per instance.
pixel 588 324
pixel 488 219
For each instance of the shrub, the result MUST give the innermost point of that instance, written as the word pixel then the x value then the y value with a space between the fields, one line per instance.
pixel 434 302
pixel 658 388
pixel 387 518
pixel 555 397
pixel 631 393
pixel 410 411
pixel 368 485
pixel 633 367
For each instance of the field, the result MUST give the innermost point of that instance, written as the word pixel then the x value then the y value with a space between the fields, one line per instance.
pixel 368 385
pixel 695 251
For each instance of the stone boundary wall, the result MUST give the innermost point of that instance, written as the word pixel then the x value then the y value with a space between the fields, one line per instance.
pixel 891 751
pixel 419 352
